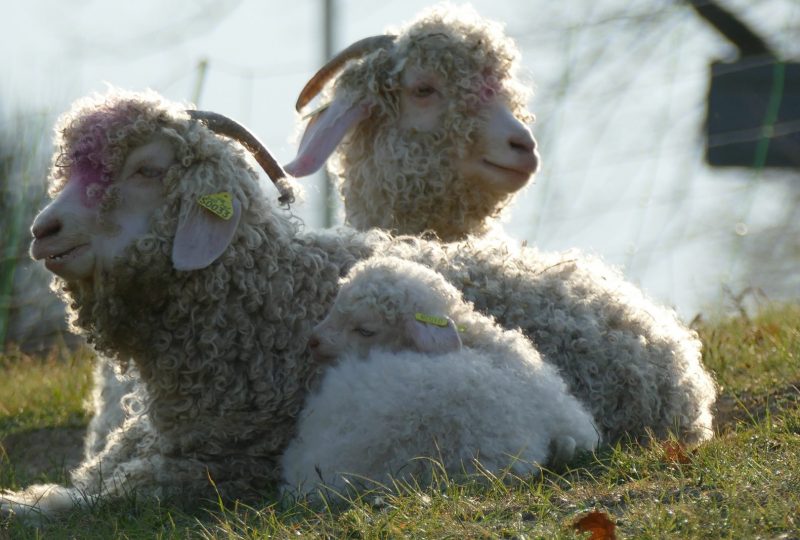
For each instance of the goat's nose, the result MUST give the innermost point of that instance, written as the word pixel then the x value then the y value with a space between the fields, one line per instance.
pixel 313 342
pixel 522 141
pixel 48 227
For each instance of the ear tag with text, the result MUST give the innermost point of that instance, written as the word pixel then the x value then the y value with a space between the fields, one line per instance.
pixel 219 204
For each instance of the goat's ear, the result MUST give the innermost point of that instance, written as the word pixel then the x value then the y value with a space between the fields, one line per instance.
pixel 325 130
pixel 430 338
pixel 203 235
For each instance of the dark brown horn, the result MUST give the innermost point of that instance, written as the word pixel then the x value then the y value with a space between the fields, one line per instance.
pixel 223 125
pixel 358 49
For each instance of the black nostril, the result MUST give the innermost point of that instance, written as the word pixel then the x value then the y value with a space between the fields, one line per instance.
pixel 313 342
pixel 48 228
pixel 522 142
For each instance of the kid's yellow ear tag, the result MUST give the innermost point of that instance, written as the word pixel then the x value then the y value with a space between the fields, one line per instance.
pixel 219 204
pixel 431 319
pixel 434 320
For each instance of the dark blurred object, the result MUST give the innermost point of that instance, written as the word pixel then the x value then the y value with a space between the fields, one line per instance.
pixel 746 40
pixel 753 117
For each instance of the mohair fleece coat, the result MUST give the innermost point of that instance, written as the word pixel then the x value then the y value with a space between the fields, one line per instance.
pixel 222 351
pixel 480 393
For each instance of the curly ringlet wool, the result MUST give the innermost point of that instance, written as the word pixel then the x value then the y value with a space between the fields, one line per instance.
pixel 390 288
pixel 494 400
pixel 403 180
pixel 217 348
pixel 635 366
pixel 222 351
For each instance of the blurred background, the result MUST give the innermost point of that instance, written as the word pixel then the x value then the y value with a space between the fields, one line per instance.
pixel 621 98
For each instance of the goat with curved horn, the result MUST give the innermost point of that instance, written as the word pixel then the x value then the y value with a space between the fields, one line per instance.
pixel 428 134
pixel 360 48
pixel 227 127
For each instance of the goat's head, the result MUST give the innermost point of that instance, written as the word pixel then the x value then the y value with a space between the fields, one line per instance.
pixel 389 303
pixel 440 99
pixel 132 169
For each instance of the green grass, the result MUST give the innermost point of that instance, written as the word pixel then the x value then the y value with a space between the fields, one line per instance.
pixel 43 392
pixel 742 484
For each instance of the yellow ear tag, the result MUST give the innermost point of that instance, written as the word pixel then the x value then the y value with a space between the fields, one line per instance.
pixel 431 319
pixel 436 321
pixel 220 204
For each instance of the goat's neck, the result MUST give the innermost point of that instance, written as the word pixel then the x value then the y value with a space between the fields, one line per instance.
pixel 226 346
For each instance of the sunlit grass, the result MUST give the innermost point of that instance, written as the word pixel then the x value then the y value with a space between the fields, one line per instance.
pixel 755 355
pixel 741 484
pixel 40 392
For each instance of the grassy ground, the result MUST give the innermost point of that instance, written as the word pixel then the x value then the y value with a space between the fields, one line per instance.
pixel 742 484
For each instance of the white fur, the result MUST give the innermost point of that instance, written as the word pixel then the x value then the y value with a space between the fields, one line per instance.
pixel 222 367
pixel 387 405
pixel 380 418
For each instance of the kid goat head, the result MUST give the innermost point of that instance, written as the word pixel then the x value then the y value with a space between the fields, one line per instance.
pixel 393 304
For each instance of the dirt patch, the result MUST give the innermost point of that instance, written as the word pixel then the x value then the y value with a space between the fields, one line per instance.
pixel 751 408
pixel 50 451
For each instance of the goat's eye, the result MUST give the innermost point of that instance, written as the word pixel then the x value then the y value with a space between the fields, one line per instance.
pixel 364 332
pixel 150 171
pixel 423 90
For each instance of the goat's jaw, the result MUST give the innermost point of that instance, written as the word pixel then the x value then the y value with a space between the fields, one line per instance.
pixel 68 262
pixel 491 175
pixel 322 358
pixel 507 178
pixel 64 263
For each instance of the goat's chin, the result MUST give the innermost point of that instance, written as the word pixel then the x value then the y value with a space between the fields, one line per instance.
pixel 77 265
pixel 323 357
pixel 497 178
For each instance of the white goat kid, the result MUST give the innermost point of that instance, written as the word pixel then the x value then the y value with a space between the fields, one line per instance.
pixel 430 126
pixel 404 389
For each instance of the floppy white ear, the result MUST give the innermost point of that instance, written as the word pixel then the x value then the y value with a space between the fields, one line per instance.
pixel 325 130
pixel 431 338
pixel 203 235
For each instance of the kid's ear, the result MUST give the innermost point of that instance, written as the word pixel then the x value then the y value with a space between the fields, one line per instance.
pixel 203 234
pixel 325 130
pixel 430 338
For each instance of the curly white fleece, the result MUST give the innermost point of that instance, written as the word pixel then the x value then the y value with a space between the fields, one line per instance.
pixel 383 409
pixel 222 352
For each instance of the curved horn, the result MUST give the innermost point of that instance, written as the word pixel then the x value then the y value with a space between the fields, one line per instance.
pixel 223 125
pixel 358 49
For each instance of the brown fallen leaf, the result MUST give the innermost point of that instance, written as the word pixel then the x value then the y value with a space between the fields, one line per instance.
pixel 599 524
pixel 675 452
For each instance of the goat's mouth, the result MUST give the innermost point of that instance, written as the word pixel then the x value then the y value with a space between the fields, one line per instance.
pixel 321 357
pixel 56 260
pixel 514 176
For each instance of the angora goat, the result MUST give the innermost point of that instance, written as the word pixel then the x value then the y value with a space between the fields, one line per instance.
pixel 172 258
pixel 432 124
pixel 404 388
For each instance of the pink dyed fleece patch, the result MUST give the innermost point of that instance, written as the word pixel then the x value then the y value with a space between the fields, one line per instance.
pixel 91 178
pixel 86 163
pixel 489 87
